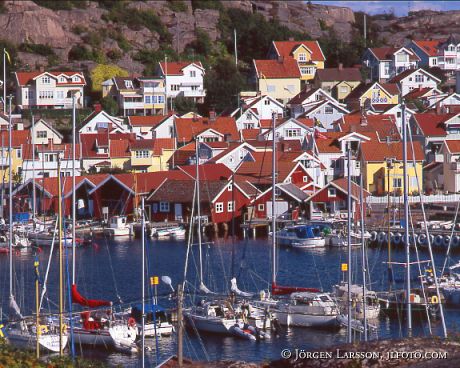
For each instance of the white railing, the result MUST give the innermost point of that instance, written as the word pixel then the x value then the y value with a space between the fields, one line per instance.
pixel 435 198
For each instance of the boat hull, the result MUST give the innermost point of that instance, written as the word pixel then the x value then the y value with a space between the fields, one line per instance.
pixel 50 342
pixel 210 324
pixel 290 317
pixel 108 338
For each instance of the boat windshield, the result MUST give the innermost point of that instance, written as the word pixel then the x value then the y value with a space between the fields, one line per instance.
pixel 305 232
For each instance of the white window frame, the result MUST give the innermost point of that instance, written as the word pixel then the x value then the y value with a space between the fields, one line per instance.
pixel 39 134
pixel 164 207
pixel 302 57
pixel 230 187
pixel 219 207
pixel 261 207
pixel 46 79
pixel 328 109
pixel 305 179
pixel 230 206
pixel 331 192
pixel 192 73
pixel 142 154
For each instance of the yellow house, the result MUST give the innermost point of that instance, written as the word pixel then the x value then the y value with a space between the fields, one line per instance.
pixel 373 94
pixel 278 79
pixel 382 167
pixel 338 82
pixel 150 155
pixel 307 54
pixel 19 138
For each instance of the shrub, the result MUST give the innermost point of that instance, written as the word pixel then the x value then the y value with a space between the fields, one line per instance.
pixel 103 72
pixel 177 6
pixel 109 105
pixel 205 4
pixel 114 54
pixel 79 29
pixel 81 52
pixel 62 4
pixel 39 49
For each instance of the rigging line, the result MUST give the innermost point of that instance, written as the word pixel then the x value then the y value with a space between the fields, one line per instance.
pixel 190 237
pixel 450 240
pixel 44 289
pixel 113 271
pixel 430 250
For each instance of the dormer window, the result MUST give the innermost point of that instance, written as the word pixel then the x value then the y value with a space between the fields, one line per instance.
pixel 401 57
pixel 302 57
pixel 193 73
pixel 128 84
pixel 76 79
pixel 451 48
pixel 62 79
pixel 46 80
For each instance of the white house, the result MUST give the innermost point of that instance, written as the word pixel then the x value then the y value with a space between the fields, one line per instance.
pixel 324 113
pixel 451 165
pixel 449 54
pixel 446 103
pixel 154 126
pixel 290 129
pixel 411 79
pixel 306 97
pixel 314 167
pixel 42 133
pixel 49 89
pixel 183 79
pixel 386 62
pixel 234 155
pixel 255 111
pixel 99 119
pixel 396 111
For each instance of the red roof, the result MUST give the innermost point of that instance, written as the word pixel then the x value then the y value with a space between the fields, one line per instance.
pixel 375 151
pixel 18 137
pixel 50 185
pixel 391 88
pixel 286 48
pixel 249 133
pixel 331 144
pixel 175 67
pixel 118 144
pixel 25 78
pixel 453 145
pixel 432 124
pixel 386 53
pixel 428 47
pixel 151 121
pixel 188 128
pixel 276 69
pixel 417 93
pixel 140 144
pixel 383 125
pixel 161 144
pixel 66 148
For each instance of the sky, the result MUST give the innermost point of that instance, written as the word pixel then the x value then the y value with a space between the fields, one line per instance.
pixel 400 8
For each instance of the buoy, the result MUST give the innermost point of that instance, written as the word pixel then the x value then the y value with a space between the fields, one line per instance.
pixel 397 238
pixel 381 237
pixel 438 240
pixel 422 239
pixel 373 236
pixel 447 241
pixel 455 241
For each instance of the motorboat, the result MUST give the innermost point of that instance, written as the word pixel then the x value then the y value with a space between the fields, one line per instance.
pixel 301 236
pixel 214 317
pixel 155 325
pixel 340 294
pixel 118 226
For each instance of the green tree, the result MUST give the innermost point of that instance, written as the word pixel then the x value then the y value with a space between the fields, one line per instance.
pixel 102 72
pixel 109 105
pixel 183 105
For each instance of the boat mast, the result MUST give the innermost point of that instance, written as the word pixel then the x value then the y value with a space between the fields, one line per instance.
pixel 73 190
pixel 406 219
pixel 34 197
pixel 273 201
pixel 10 197
pixel 37 307
pixel 143 282
pixel 61 281
pixel 197 184
pixel 349 339
pixel 363 255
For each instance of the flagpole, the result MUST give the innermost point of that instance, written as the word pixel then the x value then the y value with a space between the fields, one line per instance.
pixel 4 80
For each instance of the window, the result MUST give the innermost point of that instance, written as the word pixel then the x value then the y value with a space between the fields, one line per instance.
pixel 248 126
pixel 317 97
pixel 271 88
pixel 62 79
pixel 219 207
pixel 230 206
pixel 267 101
pixel 161 99
pixel 50 157
pixel 128 84
pixel 435 61
pixel 46 80
pixel 148 99
pixel 398 114
pixel 76 79
pixel 305 179
pixel 175 87
pixel 230 187
pixel 194 88
pixel 303 70
pixel 292 132
pixel 193 73
pixel 332 192
pixel 328 110
pixel 142 154
pixel 419 78
pixel 46 94
pixel 450 61
pixel 42 134
pixel 260 207
pixel 164 206
pixel 19 152
pixel 302 57
pixel 343 89
pixel 401 57
pixel 60 94
pixel 397 182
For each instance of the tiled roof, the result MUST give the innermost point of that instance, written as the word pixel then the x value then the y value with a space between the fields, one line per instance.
pixel 286 48
pixel 432 124
pixel 339 74
pixel 300 97
pixel 391 88
pixel 25 78
pixel 453 145
pixel 208 171
pixel 188 128
pixel 375 151
pixel 383 125
pixel 398 78
pixel 249 133
pixel 176 67
pixel 119 145
pixel 65 148
pixel 50 185
pixel 428 47
pixel 275 69
pixel 140 144
pixel 417 93
pixel 161 144
pixel 150 121
pixel 181 191
pixel 265 123
pixel 18 137
pixel 386 53
pixel 331 144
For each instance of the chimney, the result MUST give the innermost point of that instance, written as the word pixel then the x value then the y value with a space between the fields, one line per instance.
pixel 280 59
pixel 451 90
pixel 212 115
pixel 50 143
pixel 291 38
pixel 41 69
pixel 363 120
pixel 97 107
pixel 438 108
pixel 195 117
pixel 340 66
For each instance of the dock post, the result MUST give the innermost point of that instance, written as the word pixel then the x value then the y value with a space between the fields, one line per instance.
pixel 180 331
pixel 254 232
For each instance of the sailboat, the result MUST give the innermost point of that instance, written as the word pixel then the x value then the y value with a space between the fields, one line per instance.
pixel 29 332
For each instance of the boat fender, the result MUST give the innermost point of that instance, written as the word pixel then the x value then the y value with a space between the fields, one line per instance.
pixel 381 237
pixel 431 239
pixel 373 236
pixel 438 240
pixel 64 328
pixel 397 238
pixel 447 241
pixel 262 295
pixel 422 239
pixel 131 322
pixel 434 299
pixel 455 240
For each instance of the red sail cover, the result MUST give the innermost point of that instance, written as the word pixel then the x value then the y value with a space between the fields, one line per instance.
pixel 91 303
pixel 282 290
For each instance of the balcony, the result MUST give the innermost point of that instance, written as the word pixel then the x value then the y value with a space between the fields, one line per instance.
pixel 4 162
pixel 133 105
pixel 194 93
pixel 455 166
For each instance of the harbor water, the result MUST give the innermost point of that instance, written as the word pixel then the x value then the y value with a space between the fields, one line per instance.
pixel 111 269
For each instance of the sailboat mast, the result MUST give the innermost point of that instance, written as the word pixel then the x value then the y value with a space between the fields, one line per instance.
pixel 273 200
pixel 34 196
pixel 363 254
pixel 61 281
pixel 10 192
pixel 143 281
pixel 197 183
pixel 406 219
pixel 349 241
pixel 74 195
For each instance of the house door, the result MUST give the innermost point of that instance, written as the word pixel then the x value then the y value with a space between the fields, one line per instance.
pixel 178 211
